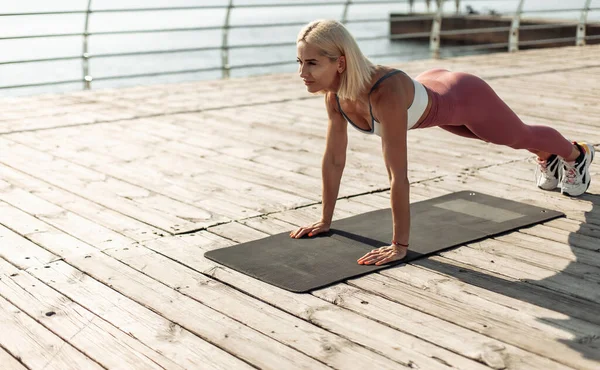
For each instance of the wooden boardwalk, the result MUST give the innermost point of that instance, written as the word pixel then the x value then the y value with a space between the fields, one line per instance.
pixel 108 200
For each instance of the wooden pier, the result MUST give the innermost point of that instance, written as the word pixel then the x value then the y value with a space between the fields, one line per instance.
pixel 109 198
pixel 494 30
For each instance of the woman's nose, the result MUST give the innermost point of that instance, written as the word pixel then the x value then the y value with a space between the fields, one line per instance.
pixel 302 71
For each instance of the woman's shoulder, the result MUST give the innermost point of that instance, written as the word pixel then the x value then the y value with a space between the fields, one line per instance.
pixel 388 78
pixel 390 85
pixel 332 102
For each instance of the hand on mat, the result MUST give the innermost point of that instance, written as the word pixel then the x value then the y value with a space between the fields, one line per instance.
pixel 311 230
pixel 383 255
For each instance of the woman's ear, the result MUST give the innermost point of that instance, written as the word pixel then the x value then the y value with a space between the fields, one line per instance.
pixel 341 67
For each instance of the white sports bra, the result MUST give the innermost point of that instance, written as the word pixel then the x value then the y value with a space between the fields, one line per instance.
pixel 415 111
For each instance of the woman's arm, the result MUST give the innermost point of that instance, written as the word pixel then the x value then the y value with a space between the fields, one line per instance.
pixel 332 167
pixel 389 103
pixel 334 158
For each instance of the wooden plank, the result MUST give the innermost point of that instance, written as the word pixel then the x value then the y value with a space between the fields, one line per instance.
pixel 8 362
pixel 566 251
pixel 163 335
pixel 563 283
pixel 540 258
pixel 516 191
pixel 160 211
pixel 40 233
pixel 305 337
pixel 218 329
pixel 183 350
pixel 35 346
pixel 158 173
pixel 513 176
pixel 574 226
pixel 554 325
pixel 502 329
pixel 216 323
pixel 20 251
pixel 317 312
pixel 451 278
pixel 76 226
pixel 92 211
pixel 80 328
pixel 572 355
pixel 418 324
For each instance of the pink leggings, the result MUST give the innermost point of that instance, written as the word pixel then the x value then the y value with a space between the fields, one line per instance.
pixel 467 106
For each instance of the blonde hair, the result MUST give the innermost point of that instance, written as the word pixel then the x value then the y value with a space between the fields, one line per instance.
pixel 334 40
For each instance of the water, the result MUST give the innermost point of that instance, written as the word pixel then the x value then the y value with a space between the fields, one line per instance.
pixel 30 73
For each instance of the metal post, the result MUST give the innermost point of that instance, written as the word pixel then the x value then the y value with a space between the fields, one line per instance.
pixel 457 3
pixel 582 22
pixel 345 13
pixel 225 46
pixel 436 27
pixel 85 62
pixel 513 38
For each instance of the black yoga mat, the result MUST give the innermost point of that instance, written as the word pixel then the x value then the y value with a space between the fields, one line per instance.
pixel 301 265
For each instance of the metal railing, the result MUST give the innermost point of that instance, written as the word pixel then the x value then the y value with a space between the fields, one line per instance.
pixel 435 34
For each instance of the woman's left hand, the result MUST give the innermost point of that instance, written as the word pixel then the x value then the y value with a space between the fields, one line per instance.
pixel 383 255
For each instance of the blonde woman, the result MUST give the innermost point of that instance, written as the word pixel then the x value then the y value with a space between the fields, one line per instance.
pixel 383 101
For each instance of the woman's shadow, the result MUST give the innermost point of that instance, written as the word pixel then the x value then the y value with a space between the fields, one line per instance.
pixel 565 292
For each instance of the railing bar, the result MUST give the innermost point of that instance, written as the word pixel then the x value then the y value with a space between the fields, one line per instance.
pixel 43 13
pixel 499 29
pixel 426 54
pixel 545 26
pixel 85 55
pixel 41 84
pixel 475 30
pixel 210 28
pixel 157 30
pixel 259 5
pixel 547 41
pixel 240 66
pixel 503 29
pixel 408 36
pixel 41 60
pixel 265 5
pixel 477 47
pixel 153 74
pixel 502 14
pixel 274 44
pixel 426 17
pixel 152 52
pixel 592 37
pixel 41 36
pixel 553 10
pixel 204 7
pixel 210 48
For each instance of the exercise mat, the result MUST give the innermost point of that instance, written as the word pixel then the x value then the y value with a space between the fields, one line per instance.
pixel 301 265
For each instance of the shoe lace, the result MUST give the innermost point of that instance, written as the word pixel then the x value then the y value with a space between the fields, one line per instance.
pixel 541 169
pixel 570 173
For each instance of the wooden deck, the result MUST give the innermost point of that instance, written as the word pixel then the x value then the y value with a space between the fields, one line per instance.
pixel 108 200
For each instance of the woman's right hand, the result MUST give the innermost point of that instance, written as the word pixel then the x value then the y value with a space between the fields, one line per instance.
pixel 311 230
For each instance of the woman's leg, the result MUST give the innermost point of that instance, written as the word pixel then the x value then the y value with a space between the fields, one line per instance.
pixel 464 99
pixel 461 131
pixel 482 112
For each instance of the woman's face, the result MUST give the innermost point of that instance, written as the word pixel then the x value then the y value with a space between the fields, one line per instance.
pixel 318 72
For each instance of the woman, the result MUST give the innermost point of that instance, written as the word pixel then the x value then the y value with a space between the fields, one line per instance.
pixel 386 102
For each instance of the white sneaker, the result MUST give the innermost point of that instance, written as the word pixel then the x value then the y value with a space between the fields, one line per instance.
pixel 548 172
pixel 576 177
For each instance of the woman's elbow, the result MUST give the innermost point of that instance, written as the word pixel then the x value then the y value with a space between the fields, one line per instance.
pixel 399 177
